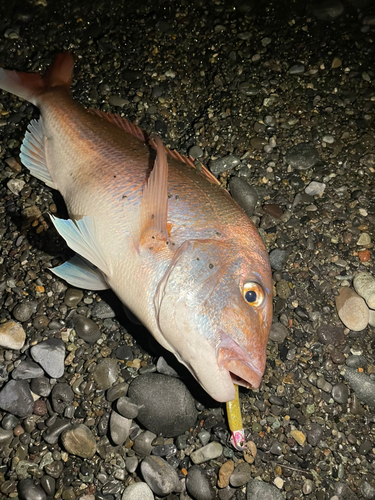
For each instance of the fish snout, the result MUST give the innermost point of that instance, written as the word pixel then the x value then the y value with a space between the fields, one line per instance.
pixel 244 369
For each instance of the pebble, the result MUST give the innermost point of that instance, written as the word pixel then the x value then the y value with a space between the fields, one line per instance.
pixel 298 436
pixel 364 285
pixel 363 241
pixel 117 391
pixel 340 393
pixel 86 329
pixel 12 335
pixel 315 188
pixel 302 156
pixel 209 452
pixel 23 312
pixel 138 491
pixel 41 386
pixel 297 69
pixel 53 432
pixel 73 297
pixel 105 373
pixel 50 354
pixel 352 309
pixel 28 490
pixel 27 369
pixel 224 164
pixel 278 333
pixel 79 441
pixel 283 289
pixel 159 475
pixel 165 404
pixel 102 310
pixel 259 490
pixel 329 334
pixel 241 475
pixel 62 396
pixel 362 385
pixel 119 427
pixel 278 258
pixel 16 398
pixel 196 152
pixel 244 194
pixel 143 443
pixel 224 473
pixel 15 186
pixel 198 485
pixel 127 408
pixel 328 10
pixel 164 368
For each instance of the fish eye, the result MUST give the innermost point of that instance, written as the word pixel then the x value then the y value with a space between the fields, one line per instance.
pixel 253 294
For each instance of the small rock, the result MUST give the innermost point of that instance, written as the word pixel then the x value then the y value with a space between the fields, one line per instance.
pixel 138 491
pixel 328 10
pixel 105 373
pixel 315 188
pixel 302 156
pixel 297 69
pixel 23 312
pixel 195 152
pixel 278 333
pixel 119 428
pixel 198 485
pixel 41 386
pixel 206 453
pixel 278 258
pixel 117 391
pixel 142 443
pixel 27 369
pixel 12 335
pixel 16 398
pixel 15 186
pixel 224 473
pixel 362 385
pixel 102 310
pixel 62 396
pixel 86 329
pixel 165 369
pixel 244 194
pixel 73 297
pixel 224 164
pixel 298 436
pixel 79 441
pixel 259 490
pixel 28 490
pixel 50 354
pixel 165 404
pixel 330 334
pixel 241 475
pixel 352 310
pixel 336 63
pixel 127 408
pixel 340 393
pixel 159 475
pixel 363 241
pixel 364 285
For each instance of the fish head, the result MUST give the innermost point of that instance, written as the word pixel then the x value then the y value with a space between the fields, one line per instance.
pixel 214 310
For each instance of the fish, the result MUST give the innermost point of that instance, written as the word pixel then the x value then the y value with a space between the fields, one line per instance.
pixel 158 230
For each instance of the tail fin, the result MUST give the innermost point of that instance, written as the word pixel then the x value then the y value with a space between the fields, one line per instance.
pixel 30 86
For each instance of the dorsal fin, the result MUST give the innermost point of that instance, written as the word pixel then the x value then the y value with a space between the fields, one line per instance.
pixel 140 134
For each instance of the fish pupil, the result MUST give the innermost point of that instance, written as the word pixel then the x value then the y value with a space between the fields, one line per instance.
pixel 250 296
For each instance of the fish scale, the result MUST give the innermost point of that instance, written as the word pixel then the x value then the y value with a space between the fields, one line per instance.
pixel 171 243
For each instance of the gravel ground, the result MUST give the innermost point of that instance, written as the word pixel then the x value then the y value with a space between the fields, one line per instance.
pixel 278 100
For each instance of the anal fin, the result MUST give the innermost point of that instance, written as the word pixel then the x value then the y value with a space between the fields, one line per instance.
pixel 33 152
pixel 80 273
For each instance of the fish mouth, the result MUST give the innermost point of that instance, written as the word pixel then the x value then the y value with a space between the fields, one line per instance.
pixel 238 363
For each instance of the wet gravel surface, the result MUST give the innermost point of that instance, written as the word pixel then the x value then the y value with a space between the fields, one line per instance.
pixel 279 102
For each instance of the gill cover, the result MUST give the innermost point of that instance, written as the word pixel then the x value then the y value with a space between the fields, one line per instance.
pixel 188 283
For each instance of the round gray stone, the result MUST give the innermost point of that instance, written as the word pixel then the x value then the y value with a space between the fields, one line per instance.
pixel 138 491
pixel 244 194
pixel 165 404
pixel 86 329
pixel 16 398
pixel 198 485
pixel 259 490
pixel 50 354
pixel 159 475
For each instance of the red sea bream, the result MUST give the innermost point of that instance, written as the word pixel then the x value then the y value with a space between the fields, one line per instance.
pixel 172 244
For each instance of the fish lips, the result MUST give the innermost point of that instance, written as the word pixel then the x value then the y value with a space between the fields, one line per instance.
pixel 239 363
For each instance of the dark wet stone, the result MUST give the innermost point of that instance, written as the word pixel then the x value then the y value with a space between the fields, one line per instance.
pixel 112 487
pixel 16 398
pixel 127 408
pixel 366 447
pixel 344 492
pixel 259 490
pixel 241 475
pixel 54 469
pixel 161 128
pixel 53 432
pixel 198 485
pixel 278 333
pixel 106 373
pixel 165 405
pixel 327 10
pixel 302 156
pixel 41 386
pixel 362 385
pixel 50 354
pixel 27 369
pixel 117 391
pixel 40 322
pixel 314 434
pixel 223 164
pixel 124 352
pixel 340 393
pixel 159 475
pixel 86 329
pixel 62 396
pixel 278 258
pixel 23 312
pixel 48 483
pixel 244 194
pixel 28 490
pixel 9 421
pixel 276 448
pixel 102 310
pixel 356 361
pixel 143 443
pixel 73 297
pixel 338 357
pixel 329 334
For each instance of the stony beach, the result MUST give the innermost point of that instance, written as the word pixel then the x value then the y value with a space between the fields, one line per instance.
pixel 277 99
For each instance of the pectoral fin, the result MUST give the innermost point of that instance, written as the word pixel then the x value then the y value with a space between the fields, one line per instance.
pixel 80 273
pixel 81 237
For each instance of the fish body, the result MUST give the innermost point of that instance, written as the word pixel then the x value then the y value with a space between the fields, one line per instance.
pixel 170 242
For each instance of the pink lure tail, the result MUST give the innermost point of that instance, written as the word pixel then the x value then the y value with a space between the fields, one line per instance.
pixel 30 86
